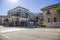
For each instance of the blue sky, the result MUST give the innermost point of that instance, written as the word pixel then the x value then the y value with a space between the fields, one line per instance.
pixel 32 5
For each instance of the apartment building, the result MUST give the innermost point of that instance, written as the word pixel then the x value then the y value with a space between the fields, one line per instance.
pixel 19 15
pixel 51 18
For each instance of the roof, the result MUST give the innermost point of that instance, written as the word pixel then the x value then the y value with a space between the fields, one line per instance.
pixel 51 6
pixel 2 16
pixel 21 7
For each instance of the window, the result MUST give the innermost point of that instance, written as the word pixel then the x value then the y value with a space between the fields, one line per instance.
pixel 55 19
pixel 37 18
pixel 18 10
pixel 26 15
pixel 48 12
pixel 32 20
pixel 48 19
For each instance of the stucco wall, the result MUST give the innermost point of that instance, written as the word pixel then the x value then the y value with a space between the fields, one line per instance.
pixel 53 24
pixel 51 16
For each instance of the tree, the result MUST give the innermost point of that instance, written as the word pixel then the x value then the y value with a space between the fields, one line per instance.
pixel 58 9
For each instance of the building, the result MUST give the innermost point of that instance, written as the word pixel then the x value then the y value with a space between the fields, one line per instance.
pixel 39 18
pixel 1 19
pixel 35 19
pixel 51 18
pixel 21 17
pixel 18 16
pixel 22 11
pixel 32 18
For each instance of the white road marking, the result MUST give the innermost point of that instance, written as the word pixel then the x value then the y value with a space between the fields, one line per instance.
pixel 4 36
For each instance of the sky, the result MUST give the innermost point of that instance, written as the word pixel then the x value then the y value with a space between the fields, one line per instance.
pixel 32 5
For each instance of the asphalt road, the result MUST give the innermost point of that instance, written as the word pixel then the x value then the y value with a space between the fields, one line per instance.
pixel 29 34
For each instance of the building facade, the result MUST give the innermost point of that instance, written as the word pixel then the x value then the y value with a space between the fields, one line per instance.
pixel 19 16
pixel 2 19
pixel 51 18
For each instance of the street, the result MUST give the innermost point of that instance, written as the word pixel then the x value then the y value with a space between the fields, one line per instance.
pixel 29 33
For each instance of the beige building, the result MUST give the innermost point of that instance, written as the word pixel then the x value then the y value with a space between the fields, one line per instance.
pixel 51 18
pixel 2 19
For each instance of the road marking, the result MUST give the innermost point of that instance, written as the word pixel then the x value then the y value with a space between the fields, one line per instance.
pixel 3 31
pixel 4 36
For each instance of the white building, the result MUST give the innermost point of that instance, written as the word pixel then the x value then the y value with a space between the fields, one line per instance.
pixel 20 14
pixel 20 10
